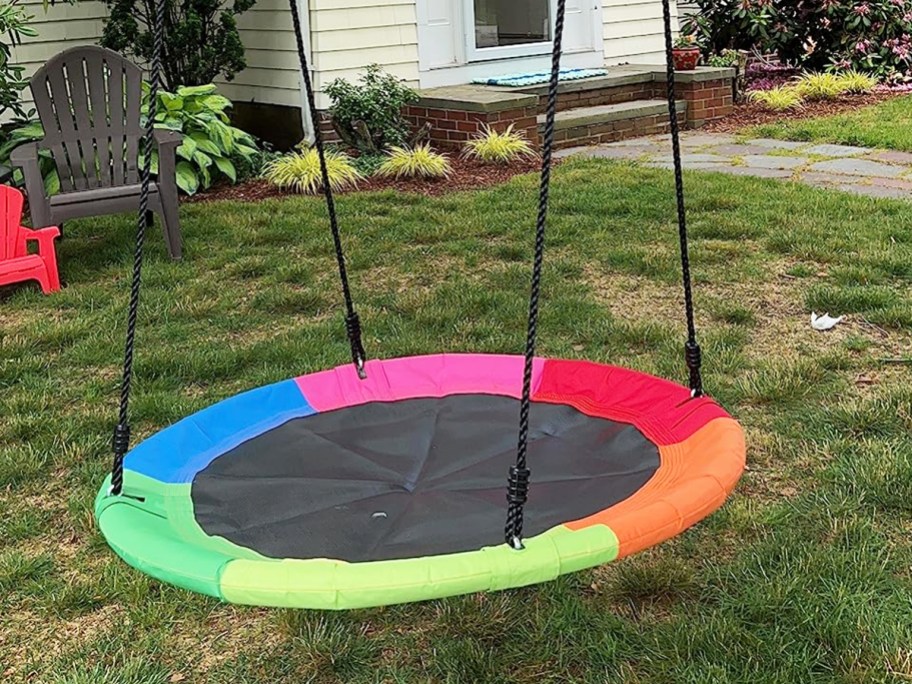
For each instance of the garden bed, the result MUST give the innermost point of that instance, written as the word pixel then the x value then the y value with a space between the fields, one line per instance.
pixel 467 174
pixel 747 114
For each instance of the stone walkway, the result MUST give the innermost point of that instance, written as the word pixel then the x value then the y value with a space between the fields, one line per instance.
pixel 859 170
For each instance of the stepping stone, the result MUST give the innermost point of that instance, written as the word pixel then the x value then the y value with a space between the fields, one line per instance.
pixel 769 161
pixel 705 139
pixel 770 144
pixel 893 183
pixel 737 150
pixel 859 167
pixel 890 157
pixel 634 142
pixel 606 152
pixel 693 166
pixel 876 191
pixel 753 173
pixel 836 151
pixel 821 179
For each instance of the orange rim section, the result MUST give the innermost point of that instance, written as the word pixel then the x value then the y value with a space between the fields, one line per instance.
pixel 693 480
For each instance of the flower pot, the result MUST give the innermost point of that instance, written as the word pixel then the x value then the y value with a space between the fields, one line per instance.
pixel 686 59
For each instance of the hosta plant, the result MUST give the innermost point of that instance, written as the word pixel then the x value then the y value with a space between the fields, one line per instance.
pixel 211 145
pixel 300 171
pixel 778 99
pixel 418 162
pixel 492 146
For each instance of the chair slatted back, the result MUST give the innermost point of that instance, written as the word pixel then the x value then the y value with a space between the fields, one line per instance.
pixel 11 242
pixel 89 100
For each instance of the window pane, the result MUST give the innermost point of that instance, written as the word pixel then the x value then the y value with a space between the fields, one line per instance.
pixel 511 22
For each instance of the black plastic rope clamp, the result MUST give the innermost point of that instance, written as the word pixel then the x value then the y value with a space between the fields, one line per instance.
pixel 120 443
pixel 693 355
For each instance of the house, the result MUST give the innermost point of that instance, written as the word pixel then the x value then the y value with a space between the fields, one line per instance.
pixel 431 44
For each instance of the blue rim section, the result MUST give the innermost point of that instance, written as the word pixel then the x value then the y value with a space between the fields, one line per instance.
pixel 175 455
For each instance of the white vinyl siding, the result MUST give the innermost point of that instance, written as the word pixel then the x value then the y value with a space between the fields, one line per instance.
pixel 62 26
pixel 271 76
pixel 634 31
pixel 344 41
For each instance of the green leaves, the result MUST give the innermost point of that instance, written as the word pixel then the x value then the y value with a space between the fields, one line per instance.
pixel 187 178
pixel 209 142
pixel 203 40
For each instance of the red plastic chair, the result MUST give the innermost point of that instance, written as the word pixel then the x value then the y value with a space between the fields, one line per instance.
pixel 16 264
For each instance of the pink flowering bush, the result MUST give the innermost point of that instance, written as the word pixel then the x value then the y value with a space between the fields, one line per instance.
pixel 874 36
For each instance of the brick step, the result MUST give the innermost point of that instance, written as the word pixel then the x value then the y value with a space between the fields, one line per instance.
pixel 611 122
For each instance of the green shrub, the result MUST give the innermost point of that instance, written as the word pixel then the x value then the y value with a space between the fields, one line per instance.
pixel 202 41
pixel 778 99
pixel 14 26
pixel 368 116
pixel 211 145
pixel 874 36
pixel 300 171
pixel 494 147
pixel 368 164
pixel 26 132
pixel 418 162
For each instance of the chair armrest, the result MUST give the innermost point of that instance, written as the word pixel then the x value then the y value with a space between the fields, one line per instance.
pixel 43 236
pixel 26 158
pixel 165 139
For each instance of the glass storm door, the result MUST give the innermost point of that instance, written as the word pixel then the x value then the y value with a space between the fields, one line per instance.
pixel 498 29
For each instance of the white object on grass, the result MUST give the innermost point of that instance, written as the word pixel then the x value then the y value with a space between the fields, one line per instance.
pixel 825 322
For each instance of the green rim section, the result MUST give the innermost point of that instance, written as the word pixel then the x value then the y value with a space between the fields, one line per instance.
pixel 154 530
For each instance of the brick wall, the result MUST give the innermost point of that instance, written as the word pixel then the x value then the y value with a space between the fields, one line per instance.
pixel 451 128
pixel 706 101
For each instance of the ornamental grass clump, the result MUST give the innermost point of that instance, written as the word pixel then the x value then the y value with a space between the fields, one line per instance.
pixel 857 83
pixel 301 173
pixel 778 99
pixel 820 86
pixel 417 162
pixel 494 147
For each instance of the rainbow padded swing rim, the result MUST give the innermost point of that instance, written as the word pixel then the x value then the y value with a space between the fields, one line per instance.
pixel 701 448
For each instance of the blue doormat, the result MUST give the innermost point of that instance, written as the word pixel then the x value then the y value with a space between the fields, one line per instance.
pixel 521 80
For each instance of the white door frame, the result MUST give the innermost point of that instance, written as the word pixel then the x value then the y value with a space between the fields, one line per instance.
pixel 461 70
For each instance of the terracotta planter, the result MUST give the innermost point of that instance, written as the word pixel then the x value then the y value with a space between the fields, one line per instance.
pixel 686 59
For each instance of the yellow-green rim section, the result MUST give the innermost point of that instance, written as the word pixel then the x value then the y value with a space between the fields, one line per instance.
pixel 154 531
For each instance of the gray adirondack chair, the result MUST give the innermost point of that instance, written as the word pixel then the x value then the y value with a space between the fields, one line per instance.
pixel 88 100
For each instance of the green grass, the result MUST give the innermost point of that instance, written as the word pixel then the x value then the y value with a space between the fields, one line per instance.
pixel 887 125
pixel 802 577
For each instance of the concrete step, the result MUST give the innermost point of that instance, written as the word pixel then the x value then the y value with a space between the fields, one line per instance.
pixel 612 122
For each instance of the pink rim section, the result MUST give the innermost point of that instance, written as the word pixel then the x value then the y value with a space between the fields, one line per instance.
pixel 418 376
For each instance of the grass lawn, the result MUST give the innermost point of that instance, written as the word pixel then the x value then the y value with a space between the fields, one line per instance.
pixel 803 577
pixel 887 125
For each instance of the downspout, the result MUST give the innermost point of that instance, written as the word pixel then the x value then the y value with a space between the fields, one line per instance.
pixel 306 121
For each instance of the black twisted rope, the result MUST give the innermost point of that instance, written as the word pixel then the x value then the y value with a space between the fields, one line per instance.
pixel 518 484
pixel 121 439
pixel 692 353
pixel 352 320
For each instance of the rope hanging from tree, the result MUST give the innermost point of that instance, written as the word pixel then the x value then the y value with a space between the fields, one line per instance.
pixel 121 440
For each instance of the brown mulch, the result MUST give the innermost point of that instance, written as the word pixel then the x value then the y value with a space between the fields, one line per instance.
pixel 466 175
pixel 752 114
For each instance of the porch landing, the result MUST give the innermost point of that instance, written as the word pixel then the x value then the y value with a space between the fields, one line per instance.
pixel 627 102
